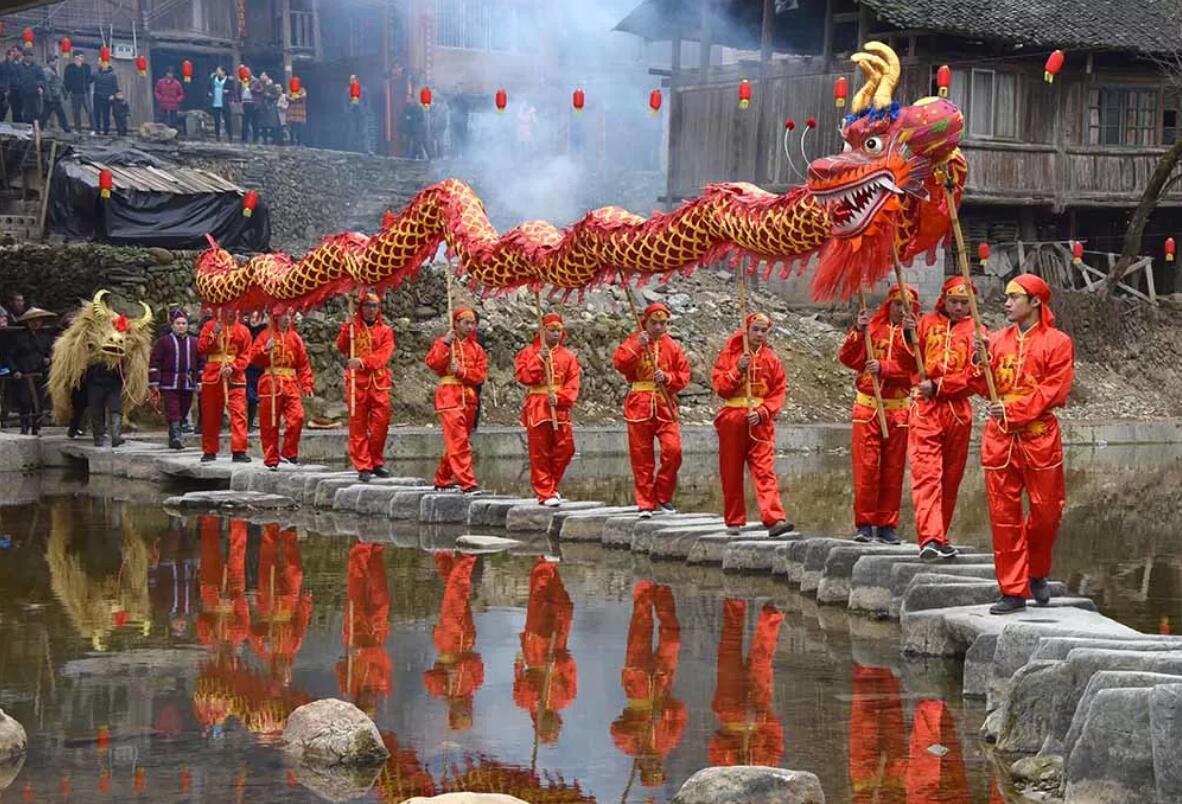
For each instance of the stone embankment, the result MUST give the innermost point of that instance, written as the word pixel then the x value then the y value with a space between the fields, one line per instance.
pixel 1095 707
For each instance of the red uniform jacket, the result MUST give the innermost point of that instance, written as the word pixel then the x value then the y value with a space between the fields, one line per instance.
pixel 287 361
pixel 455 392
pixel 896 362
pixel 636 364
pixel 530 369
pixel 373 345
pixel 1033 373
pixel 231 346
pixel 769 383
pixel 948 355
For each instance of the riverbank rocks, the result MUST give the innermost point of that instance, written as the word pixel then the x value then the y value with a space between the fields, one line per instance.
pixel 331 732
pixel 751 784
pixel 13 740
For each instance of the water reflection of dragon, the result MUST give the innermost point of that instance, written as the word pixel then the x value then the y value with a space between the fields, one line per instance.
pixel 886 191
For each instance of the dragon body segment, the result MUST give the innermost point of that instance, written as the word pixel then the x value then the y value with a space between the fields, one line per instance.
pixel 882 199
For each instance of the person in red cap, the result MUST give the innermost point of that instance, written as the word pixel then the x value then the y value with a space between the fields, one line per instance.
pixel 879 458
pixel 1033 366
pixel 461 365
pixel 941 419
pixel 279 351
pixel 750 378
pixel 226 344
pixel 656 367
pixel 368 344
pixel 552 374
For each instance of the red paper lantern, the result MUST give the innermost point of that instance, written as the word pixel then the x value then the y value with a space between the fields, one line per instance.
pixel 578 99
pixel 501 100
pixel 790 124
pixel 744 94
pixel 243 74
pixel 1077 252
pixel 425 97
pixel 654 100
pixel 1053 66
pixel 106 184
pixel 943 80
pixel 249 202
pixel 104 56
pixel 1169 249
pixel 27 35
pixel 294 85
pixel 66 46
pixel 141 65
pixel 841 90
pixel 355 91
pixel 983 253
pixel 187 71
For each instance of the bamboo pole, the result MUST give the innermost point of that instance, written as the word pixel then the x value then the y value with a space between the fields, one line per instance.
pixel 352 355
pixel 274 382
pixel 963 258
pixel 451 319
pixel 870 355
pixel 225 379
pixel 742 269
pixel 547 361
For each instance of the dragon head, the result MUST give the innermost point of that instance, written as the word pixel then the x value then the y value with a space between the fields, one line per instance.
pixel 112 329
pixel 885 193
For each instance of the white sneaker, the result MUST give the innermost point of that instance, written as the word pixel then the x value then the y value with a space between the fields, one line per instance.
pixel 552 502
pixel 646 513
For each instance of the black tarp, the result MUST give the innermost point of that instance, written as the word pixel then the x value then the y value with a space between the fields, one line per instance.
pixel 144 218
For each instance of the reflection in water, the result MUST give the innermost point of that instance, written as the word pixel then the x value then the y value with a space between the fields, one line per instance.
pixel 653 721
pixel 364 674
pixel 545 677
pixel 877 765
pixel 935 768
pixel 750 732
pixel 172 579
pixel 284 610
pixel 459 671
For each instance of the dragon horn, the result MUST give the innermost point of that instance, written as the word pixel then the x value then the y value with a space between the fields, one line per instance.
pixel 803 154
pixel 146 319
pixel 100 306
pixel 873 68
pixel 883 95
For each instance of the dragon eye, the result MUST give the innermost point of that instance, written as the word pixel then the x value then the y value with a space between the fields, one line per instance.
pixel 872 145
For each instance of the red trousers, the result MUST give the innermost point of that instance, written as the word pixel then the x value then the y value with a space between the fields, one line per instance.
pixel 750 733
pixel 878 465
pixel 213 402
pixel 455 467
pixel 938 448
pixel 739 443
pixel 933 777
pixel 652 490
pixel 369 423
pixel 289 411
pixel 550 452
pixel 877 761
pixel 1022 545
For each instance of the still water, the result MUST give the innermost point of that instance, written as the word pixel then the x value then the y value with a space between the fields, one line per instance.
pixel 155 658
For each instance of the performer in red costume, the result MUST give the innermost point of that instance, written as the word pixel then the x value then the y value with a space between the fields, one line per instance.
pixel 226 344
pixel 368 344
pixel 461 364
pixel 287 377
pixel 656 367
pixel 284 609
pixel 879 458
pixel 224 622
pixel 941 420
pixel 545 676
pixel 750 733
pixel 653 722
pixel 746 424
pixel 459 671
pixel 935 777
pixel 552 374
pixel 1033 367
pixel 878 766
pixel 365 672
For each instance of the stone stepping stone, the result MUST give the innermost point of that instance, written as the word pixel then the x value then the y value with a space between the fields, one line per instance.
pixel 536 518
pixel 471 542
pixel 489 511
pixel 748 553
pixel 445 506
pixel 590 526
pixel 618 532
pixel 933 591
pixel 709 549
pixel 834 583
pixel 407 502
pixel 558 522
pixel 673 543
pixel 230 501
pixel 645 535
pixel 872 585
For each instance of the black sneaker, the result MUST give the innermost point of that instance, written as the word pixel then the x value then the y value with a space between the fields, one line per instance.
pixel 887 535
pixel 240 457
pixel 1040 590
pixel 209 457
pixel 930 551
pixel 865 534
pixel 646 513
pixel 667 508
pixel 448 487
pixel 274 467
pixel 292 461
pixel 381 471
pixel 780 528
pixel 472 491
pixel 1008 605
pixel 365 475
pixel 733 530
pixel 947 552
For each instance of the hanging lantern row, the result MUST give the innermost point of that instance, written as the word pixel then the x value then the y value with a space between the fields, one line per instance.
pixel 943 80
pixel 249 202
pixel 187 71
pixel 841 90
pixel 1169 247
pixel 983 253
pixel 1077 252
pixel 1053 66
pixel 578 98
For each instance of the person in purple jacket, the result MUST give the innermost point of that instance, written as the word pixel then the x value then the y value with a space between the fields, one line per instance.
pixel 174 373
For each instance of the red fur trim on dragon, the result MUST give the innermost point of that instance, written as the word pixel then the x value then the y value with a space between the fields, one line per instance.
pixel 884 193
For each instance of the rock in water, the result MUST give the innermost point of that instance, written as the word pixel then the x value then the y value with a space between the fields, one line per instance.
pixel 751 784
pixel 13 741
pixel 467 798
pixel 333 732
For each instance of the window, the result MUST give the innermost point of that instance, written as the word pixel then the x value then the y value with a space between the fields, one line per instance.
pixel 1171 118
pixel 477 25
pixel 991 108
pixel 1122 116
